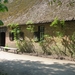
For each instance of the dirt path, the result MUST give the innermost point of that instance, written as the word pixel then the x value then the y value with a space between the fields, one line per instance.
pixel 15 64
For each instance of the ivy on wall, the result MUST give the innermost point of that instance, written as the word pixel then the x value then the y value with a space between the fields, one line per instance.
pixel 30 26
pixel 59 25
pixel 15 29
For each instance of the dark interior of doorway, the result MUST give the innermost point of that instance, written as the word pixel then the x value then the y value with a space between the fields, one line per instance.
pixel 2 38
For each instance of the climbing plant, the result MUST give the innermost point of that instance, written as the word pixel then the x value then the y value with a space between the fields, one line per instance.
pixel 30 26
pixel 15 29
pixel 59 25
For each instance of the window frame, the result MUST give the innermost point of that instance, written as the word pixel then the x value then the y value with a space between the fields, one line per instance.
pixel 39 34
pixel 18 36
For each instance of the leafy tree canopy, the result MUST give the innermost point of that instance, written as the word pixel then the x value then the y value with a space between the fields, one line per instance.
pixel 3 8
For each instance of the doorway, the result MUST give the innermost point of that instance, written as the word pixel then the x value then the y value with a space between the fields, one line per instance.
pixel 2 38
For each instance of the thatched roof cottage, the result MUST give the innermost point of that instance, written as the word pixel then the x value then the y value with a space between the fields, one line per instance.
pixel 41 13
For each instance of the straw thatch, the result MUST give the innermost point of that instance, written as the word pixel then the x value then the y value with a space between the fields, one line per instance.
pixel 38 11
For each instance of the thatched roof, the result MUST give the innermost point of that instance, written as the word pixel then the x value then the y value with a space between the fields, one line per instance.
pixel 37 11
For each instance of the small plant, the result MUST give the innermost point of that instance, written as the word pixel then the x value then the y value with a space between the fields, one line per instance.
pixel 71 3
pixel 57 23
pixel 1 23
pixel 25 46
pixel 58 2
pixel 73 36
pixel 6 48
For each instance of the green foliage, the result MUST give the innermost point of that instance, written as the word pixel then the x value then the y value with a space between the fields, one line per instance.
pixel 62 22
pixel 69 45
pixel 59 25
pixel 59 33
pixel 3 73
pixel 3 8
pixel 73 36
pixel 58 2
pixel 12 25
pixel 55 23
pixel 54 0
pixel 30 26
pixel 46 35
pixel 1 23
pixel 25 46
pixel 71 3
pixel 29 22
pixel 14 29
pixel 4 1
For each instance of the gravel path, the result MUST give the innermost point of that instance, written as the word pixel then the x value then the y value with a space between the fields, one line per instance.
pixel 15 64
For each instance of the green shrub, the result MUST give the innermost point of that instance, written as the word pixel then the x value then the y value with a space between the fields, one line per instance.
pixel 3 73
pixel 25 46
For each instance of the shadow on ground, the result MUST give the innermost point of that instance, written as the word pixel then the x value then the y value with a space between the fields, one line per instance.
pixel 21 67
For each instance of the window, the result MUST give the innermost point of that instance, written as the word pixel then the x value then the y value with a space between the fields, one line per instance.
pixel 11 36
pixel 39 35
pixel 36 36
pixel 19 36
